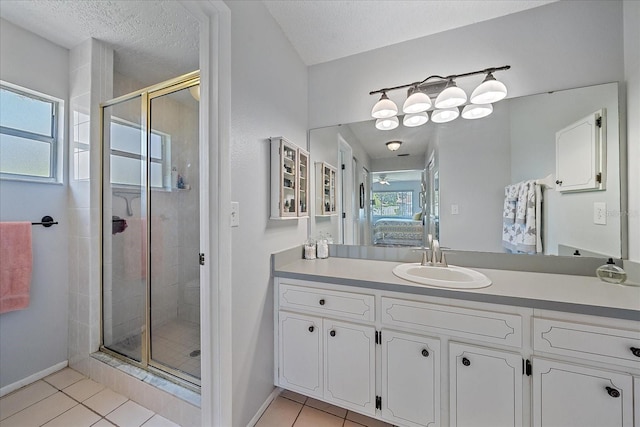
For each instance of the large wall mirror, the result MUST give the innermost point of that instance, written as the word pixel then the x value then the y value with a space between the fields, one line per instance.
pixel 457 173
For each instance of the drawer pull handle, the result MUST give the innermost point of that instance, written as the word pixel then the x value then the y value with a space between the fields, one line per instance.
pixel 311 328
pixel 465 361
pixel 332 333
pixel 635 351
pixel 321 302
pixel 613 392
pixel 425 353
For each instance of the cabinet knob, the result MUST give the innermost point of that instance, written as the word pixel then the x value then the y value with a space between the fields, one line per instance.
pixel 332 333
pixel 321 302
pixel 613 392
pixel 558 182
pixel 465 361
pixel 425 352
pixel 635 351
pixel 311 328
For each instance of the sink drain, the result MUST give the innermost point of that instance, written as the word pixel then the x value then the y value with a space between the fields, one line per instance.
pixel 195 353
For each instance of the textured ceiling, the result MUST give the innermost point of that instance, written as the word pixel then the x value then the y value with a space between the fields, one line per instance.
pixel 324 30
pixel 153 40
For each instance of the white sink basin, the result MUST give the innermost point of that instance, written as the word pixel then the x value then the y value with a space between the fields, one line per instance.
pixel 445 277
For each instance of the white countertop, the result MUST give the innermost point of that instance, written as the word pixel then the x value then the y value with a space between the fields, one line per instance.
pixel 587 295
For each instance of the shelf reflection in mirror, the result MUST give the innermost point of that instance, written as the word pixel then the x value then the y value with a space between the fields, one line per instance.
pixel 470 162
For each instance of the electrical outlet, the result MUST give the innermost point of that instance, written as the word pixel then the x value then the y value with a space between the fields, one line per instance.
pixel 454 210
pixel 235 214
pixel 600 213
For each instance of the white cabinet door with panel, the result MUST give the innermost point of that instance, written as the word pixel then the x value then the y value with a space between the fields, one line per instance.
pixel 410 379
pixel 300 353
pixel 565 394
pixel 350 365
pixel 485 387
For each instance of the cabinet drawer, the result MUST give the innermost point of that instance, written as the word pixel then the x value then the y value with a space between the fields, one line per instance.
pixel 328 303
pixel 602 344
pixel 488 326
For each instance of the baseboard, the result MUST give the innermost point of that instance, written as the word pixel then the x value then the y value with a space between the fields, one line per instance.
pixel 276 391
pixel 33 378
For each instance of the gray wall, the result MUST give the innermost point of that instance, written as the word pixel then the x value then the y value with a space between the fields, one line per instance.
pixel 35 339
pixel 269 87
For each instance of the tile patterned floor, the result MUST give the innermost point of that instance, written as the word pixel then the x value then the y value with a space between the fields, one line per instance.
pixel 291 409
pixel 69 399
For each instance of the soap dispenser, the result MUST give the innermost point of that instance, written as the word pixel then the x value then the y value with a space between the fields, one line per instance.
pixel 611 273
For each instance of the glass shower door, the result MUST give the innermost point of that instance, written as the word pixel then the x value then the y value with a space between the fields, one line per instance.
pixel 175 231
pixel 124 294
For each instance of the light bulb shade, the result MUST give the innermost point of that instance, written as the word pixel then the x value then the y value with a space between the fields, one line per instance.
pixel 413 120
pixel 476 111
pixel 489 91
pixel 445 115
pixel 451 97
pixel 417 102
pixel 388 123
pixel 384 108
pixel 393 145
pixel 195 92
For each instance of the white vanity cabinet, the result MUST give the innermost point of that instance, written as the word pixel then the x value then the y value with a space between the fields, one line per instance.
pixel 416 360
pixel 583 375
pixel 567 394
pixel 410 379
pixel 300 353
pixel 350 365
pixel 485 386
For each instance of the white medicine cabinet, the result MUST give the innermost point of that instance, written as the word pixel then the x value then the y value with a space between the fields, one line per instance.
pixel 325 189
pixel 580 154
pixel 289 180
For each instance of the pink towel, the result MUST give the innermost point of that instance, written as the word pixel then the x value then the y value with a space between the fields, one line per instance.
pixel 15 265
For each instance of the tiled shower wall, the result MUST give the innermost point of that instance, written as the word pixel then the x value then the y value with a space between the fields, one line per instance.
pixel 91 77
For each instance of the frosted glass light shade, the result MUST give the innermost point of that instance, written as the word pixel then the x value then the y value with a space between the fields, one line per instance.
pixel 489 91
pixel 393 145
pixel 445 115
pixel 388 123
pixel 384 108
pixel 417 102
pixel 476 111
pixel 451 97
pixel 413 120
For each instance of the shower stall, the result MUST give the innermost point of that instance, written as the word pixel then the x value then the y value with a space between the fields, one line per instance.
pixel 150 228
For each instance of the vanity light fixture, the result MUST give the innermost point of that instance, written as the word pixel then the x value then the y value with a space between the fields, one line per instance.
pixel 448 97
pixel 394 145
pixel 384 108
pixel 445 115
pixel 413 120
pixel 388 123
pixel 476 111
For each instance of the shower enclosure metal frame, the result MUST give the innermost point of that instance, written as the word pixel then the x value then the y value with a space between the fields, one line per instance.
pixel 146 94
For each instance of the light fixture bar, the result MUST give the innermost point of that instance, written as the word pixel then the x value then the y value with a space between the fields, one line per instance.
pixel 445 78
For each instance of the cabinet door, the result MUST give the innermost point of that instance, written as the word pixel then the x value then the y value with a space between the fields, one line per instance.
pixel 485 387
pixel 571 395
pixel 303 183
pixel 349 365
pixel 300 353
pixel 410 379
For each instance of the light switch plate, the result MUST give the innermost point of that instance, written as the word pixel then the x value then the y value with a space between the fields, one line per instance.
pixel 600 213
pixel 235 214
pixel 454 210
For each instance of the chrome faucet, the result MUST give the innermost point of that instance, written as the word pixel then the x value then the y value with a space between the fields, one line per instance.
pixel 437 256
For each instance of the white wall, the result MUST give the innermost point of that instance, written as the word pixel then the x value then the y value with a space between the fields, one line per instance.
pixel 632 79
pixel 549 48
pixel 35 339
pixel 269 87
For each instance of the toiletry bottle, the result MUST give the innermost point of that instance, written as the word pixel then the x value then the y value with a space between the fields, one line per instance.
pixel 611 273
pixel 310 249
pixel 323 247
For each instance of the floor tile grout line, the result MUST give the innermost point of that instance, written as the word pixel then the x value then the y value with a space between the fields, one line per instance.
pixel 32 403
